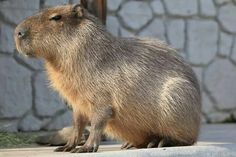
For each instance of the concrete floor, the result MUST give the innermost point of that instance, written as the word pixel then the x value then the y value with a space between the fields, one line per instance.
pixel 215 140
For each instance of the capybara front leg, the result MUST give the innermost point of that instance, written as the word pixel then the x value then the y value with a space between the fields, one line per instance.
pixel 98 123
pixel 79 123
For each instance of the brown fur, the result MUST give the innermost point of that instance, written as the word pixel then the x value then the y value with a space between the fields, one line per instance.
pixel 134 89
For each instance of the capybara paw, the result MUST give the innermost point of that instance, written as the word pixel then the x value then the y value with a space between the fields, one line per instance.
pixel 85 149
pixel 64 148
pixel 126 145
pixel 153 143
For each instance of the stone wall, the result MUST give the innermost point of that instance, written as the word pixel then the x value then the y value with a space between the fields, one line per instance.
pixel 204 32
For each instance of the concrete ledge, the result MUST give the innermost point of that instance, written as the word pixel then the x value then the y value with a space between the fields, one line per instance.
pixel 193 151
pixel 214 141
pixel 220 150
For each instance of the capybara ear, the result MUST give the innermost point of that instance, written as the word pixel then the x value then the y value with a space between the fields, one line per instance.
pixel 95 7
pixel 78 9
pixel 84 3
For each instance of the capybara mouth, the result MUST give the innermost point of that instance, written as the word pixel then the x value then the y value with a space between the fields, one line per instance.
pixel 21 51
pixel 29 55
pixel 23 48
pixel 24 52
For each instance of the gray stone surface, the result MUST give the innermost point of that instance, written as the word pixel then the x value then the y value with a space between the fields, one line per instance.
pixel 157 7
pixel 220 2
pixel 227 17
pixel 202 41
pixel 212 134
pixel 47 101
pixel 155 29
pixel 24 4
pixel 113 25
pixel 6 38
pixel 181 7
pixel 113 5
pixel 207 105
pixel 49 3
pixel 176 33
pixel 126 33
pixel 36 64
pixel 61 121
pixel 218 80
pixel 15 97
pixel 225 44
pixel 135 14
pixel 207 8
pixel 199 73
pixel 218 117
pixel 233 56
pixel 9 125
pixel 16 15
pixel 30 123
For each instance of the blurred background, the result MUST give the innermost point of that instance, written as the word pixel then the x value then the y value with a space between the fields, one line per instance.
pixel 204 32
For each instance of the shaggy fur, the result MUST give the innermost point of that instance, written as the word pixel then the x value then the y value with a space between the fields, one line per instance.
pixel 134 89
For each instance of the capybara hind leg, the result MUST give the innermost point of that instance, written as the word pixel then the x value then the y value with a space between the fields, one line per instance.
pixel 126 145
pixel 166 142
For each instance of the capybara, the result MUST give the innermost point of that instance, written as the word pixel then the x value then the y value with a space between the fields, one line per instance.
pixel 138 90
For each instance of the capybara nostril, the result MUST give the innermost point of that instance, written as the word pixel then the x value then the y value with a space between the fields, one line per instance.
pixel 21 32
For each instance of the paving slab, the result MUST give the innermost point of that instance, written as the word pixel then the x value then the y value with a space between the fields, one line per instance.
pixel 214 141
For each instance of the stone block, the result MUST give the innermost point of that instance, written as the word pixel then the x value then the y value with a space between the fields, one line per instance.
pixel 220 2
pixel 8 125
pixel 227 17
pixel 157 7
pixel 60 121
pixel 6 38
pixel 15 91
pixel 136 14
pixel 207 8
pixel 233 55
pixel 47 101
pixel 176 33
pixel 225 44
pixel 126 33
pixel 156 29
pixel 50 3
pixel 182 7
pixel 207 105
pixel 113 5
pixel 202 41
pixel 219 80
pixel 113 25
pixel 30 123
pixel 199 73
pixel 34 63
pixel 17 15
pixel 218 117
pixel 20 4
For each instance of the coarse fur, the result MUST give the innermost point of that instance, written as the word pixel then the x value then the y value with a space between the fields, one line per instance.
pixel 133 89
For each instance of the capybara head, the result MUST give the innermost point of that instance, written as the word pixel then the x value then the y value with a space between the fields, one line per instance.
pixel 51 31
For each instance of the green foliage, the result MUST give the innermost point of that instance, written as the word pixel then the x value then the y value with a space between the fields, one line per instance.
pixel 13 140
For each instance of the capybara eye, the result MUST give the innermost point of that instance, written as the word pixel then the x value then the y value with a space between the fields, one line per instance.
pixel 56 17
